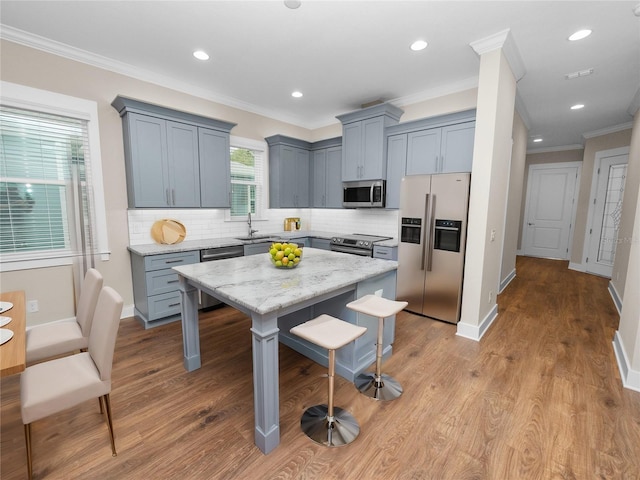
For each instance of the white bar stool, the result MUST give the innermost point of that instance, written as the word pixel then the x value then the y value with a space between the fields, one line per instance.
pixel 326 424
pixel 377 385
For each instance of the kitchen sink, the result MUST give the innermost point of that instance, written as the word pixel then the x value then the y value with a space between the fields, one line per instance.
pixel 254 237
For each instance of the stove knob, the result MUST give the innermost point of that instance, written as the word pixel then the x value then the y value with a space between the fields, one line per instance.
pixel 366 244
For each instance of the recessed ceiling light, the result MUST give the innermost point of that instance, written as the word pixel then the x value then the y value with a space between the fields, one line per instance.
pixel 580 34
pixel 296 94
pixel 201 55
pixel 537 140
pixel 577 106
pixel 292 4
pixel 418 45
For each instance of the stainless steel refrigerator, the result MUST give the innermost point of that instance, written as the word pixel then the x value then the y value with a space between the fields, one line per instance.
pixel 432 239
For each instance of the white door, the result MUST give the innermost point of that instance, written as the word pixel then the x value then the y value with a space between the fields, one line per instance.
pixel 549 210
pixel 607 205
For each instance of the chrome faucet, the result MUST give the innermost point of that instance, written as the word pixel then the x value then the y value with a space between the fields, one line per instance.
pixel 251 231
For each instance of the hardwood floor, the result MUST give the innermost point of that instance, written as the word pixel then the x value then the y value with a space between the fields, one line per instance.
pixel 539 397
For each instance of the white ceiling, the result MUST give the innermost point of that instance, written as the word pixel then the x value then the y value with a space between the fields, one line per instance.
pixel 342 54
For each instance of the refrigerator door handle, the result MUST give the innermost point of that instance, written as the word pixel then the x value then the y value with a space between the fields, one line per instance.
pixel 426 233
pixel 430 221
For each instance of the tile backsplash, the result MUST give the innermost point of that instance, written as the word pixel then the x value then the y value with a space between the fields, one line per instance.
pixel 205 223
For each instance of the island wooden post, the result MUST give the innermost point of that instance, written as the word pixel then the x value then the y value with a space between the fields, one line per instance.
pixel 266 401
pixel 190 327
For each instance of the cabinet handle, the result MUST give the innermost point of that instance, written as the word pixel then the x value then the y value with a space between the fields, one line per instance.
pixel 167 196
pixel 174 305
pixel 179 260
pixel 173 196
pixel 173 281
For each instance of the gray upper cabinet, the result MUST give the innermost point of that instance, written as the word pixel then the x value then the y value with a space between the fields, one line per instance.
pixel 441 150
pixel 326 174
pixel 159 149
pixel 396 168
pixel 174 159
pixel 215 175
pixel 423 151
pixel 364 141
pixel 289 172
pixel 427 146
pixel 457 147
pixel 183 186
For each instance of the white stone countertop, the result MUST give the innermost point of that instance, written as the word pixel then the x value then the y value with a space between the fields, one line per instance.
pixel 256 284
pixel 190 245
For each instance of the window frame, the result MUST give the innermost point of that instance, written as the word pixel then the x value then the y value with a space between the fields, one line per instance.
pixel 28 98
pixel 251 144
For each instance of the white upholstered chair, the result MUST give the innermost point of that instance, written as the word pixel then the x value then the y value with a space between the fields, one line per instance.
pixel 59 338
pixel 56 385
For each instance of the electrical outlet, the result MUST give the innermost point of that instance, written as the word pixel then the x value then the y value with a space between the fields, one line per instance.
pixel 378 293
pixel 490 296
pixel 32 306
pixel 493 234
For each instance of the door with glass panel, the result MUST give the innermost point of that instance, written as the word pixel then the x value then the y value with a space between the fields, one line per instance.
pixel 605 221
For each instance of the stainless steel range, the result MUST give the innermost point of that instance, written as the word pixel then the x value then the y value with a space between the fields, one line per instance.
pixel 356 243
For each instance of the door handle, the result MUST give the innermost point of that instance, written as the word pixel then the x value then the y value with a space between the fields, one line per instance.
pixel 530 224
pixel 430 224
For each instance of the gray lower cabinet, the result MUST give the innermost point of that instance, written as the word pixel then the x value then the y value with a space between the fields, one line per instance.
pixel 174 159
pixel 301 241
pixel 289 180
pixel 256 248
pixel 326 174
pixel 386 253
pixel 155 286
pixel 322 243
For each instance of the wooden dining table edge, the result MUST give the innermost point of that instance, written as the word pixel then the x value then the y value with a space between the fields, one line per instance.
pixel 17 349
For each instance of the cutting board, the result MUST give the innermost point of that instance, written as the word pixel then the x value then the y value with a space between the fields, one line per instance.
pixel 168 231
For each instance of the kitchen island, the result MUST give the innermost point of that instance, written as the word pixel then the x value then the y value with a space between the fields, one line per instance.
pixel 278 299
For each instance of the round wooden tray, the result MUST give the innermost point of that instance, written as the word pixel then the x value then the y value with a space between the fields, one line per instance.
pixel 168 231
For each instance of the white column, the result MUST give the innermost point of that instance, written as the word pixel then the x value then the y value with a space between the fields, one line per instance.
pixel 489 181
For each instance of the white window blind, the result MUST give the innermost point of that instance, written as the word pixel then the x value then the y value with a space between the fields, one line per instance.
pixel 247 166
pixel 45 185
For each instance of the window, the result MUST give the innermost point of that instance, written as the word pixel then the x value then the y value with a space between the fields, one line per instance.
pixel 247 174
pixel 50 207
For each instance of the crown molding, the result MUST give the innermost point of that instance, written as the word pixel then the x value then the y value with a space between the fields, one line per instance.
pixel 608 130
pixel 502 40
pixel 62 50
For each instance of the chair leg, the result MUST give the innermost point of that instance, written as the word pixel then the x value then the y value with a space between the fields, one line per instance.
pixel 327 424
pixel 27 438
pixel 378 385
pixel 107 404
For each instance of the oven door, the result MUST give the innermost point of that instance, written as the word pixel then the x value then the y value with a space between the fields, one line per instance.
pixel 363 252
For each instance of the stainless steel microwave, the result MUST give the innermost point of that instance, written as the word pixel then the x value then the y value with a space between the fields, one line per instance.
pixel 363 194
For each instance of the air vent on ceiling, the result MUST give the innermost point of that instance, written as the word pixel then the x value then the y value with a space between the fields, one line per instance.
pixel 581 73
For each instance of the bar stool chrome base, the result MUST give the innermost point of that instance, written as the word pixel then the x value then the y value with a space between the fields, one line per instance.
pixel 378 388
pixel 341 431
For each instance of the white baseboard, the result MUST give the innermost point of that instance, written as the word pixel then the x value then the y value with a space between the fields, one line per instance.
pixel 578 267
pixel 127 311
pixel 506 281
pixel 616 297
pixel 475 332
pixel 630 377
